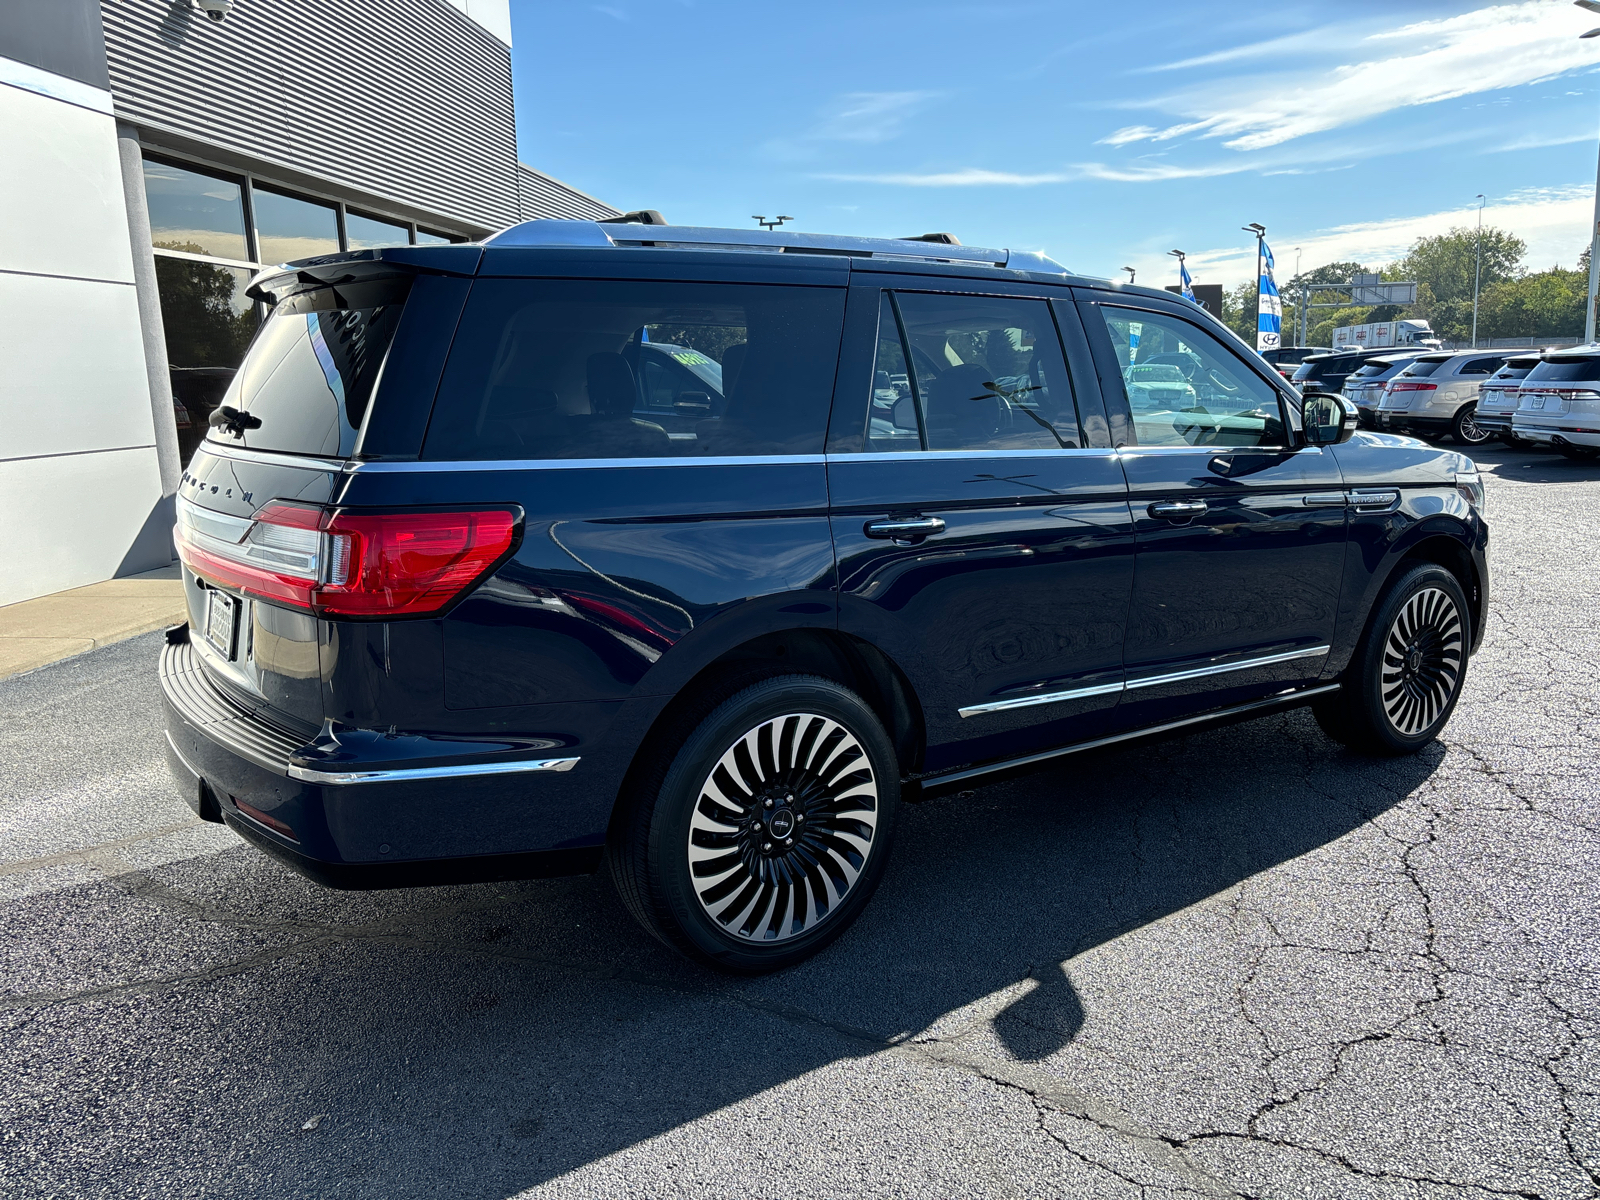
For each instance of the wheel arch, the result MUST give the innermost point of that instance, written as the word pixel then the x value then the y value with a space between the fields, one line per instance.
pixel 850 661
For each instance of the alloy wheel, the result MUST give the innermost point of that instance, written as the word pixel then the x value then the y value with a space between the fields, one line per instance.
pixel 783 827
pixel 1422 660
pixel 1469 431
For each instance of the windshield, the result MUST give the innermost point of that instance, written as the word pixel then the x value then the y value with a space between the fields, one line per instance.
pixel 1565 370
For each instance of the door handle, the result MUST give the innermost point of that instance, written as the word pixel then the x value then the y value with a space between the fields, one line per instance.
pixel 1177 510
pixel 904 529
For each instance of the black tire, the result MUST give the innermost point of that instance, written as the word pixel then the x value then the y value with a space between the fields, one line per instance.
pixel 1465 428
pixel 1407 673
pixel 1578 453
pixel 713 852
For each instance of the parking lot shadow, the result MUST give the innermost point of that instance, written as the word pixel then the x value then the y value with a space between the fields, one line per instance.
pixel 478 1041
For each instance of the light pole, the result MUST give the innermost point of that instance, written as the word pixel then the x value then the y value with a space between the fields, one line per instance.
pixel 1129 270
pixel 1301 313
pixel 1477 272
pixel 1594 230
pixel 1261 232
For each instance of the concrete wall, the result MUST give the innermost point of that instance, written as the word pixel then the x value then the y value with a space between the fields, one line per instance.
pixel 80 487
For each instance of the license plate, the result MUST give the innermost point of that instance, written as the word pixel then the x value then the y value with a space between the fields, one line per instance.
pixel 222 622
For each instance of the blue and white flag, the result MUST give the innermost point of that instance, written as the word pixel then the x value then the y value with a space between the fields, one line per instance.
pixel 1188 284
pixel 1269 318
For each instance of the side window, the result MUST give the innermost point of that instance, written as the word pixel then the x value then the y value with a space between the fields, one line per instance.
pixel 1481 366
pixel 970 373
pixel 570 369
pixel 1184 388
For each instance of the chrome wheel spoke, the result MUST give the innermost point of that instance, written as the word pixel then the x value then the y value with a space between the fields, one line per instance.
pixel 783 827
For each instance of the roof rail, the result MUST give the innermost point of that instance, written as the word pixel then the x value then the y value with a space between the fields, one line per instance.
pixel 641 216
pixel 629 232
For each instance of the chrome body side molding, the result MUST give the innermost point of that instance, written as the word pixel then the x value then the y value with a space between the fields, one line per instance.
pixel 1106 689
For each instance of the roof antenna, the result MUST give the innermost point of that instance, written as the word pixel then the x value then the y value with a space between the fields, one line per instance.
pixel 772 224
pixel 1130 272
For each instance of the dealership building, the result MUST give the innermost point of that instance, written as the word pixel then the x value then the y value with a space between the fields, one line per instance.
pixel 157 157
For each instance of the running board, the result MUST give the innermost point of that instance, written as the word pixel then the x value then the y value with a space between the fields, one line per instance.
pixel 931 784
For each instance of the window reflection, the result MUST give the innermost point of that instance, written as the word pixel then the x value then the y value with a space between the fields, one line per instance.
pixel 288 228
pixel 424 238
pixel 195 213
pixel 209 322
pixel 367 233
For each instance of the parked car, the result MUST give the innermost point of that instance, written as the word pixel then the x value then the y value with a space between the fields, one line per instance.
pixel 1558 403
pixel 456 612
pixel 1285 359
pixel 1364 387
pixel 1328 372
pixel 1437 394
pixel 1497 396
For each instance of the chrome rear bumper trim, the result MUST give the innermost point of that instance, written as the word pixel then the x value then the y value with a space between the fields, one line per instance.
pixel 408 774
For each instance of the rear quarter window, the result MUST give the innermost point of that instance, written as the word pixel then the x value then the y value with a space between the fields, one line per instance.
pixel 599 369
pixel 308 378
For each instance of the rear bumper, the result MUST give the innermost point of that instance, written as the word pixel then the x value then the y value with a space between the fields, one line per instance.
pixel 1558 428
pixel 345 810
pixel 1400 421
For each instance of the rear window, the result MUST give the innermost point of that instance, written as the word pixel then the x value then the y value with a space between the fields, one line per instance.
pixel 1565 370
pixel 600 369
pixel 1516 368
pixel 305 384
pixel 1480 366
pixel 1423 367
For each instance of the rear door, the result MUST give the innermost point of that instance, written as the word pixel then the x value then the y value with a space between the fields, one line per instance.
pixel 983 541
pixel 1240 528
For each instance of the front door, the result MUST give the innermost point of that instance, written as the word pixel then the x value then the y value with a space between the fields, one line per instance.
pixel 980 544
pixel 1240 527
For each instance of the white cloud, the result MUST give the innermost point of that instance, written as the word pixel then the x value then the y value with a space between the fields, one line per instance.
pixel 979 177
pixel 1553 221
pixel 869 116
pixel 1491 48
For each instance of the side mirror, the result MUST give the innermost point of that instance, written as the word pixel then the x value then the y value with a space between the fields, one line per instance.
pixel 1328 419
pixel 693 403
pixel 904 413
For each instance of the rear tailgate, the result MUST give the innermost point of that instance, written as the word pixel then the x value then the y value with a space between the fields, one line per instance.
pixel 345 365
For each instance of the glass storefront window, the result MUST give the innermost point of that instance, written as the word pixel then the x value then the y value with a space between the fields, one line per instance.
pixel 288 228
pixel 424 238
pixel 366 233
pixel 199 214
pixel 209 322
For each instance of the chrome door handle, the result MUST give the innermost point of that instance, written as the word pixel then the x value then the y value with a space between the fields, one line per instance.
pixel 903 529
pixel 1177 510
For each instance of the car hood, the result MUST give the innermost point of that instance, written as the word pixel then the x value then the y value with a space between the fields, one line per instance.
pixel 1376 459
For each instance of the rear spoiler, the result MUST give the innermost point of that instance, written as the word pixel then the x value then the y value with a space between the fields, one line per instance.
pixel 362 266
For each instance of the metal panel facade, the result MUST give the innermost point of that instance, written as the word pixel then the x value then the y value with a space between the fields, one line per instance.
pixel 543 196
pixel 408 100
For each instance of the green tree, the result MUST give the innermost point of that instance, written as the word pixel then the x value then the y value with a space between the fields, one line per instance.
pixel 1546 304
pixel 1323 321
pixel 1446 263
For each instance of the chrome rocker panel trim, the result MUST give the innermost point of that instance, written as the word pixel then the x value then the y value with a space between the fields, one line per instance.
pixel 1292 697
pixel 1106 689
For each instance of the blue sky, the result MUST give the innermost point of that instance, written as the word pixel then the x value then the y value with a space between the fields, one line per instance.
pixel 1103 134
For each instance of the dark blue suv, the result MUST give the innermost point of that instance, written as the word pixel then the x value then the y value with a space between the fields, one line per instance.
pixel 694 552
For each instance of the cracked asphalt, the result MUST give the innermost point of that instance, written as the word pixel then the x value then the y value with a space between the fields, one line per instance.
pixel 1243 963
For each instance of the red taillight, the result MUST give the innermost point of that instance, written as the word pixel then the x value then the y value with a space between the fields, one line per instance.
pixel 404 564
pixel 1412 387
pixel 348 563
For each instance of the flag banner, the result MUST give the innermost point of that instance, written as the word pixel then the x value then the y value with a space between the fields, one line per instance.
pixel 1269 318
pixel 1188 284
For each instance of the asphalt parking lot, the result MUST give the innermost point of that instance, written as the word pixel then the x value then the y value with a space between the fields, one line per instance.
pixel 1240 963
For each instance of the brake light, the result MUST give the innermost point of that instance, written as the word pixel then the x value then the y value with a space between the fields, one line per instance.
pixel 1412 387
pixel 348 563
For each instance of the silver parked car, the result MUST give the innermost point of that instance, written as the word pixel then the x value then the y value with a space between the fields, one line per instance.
pixel 1364 387
pixel 1497 396
pixel 1437 394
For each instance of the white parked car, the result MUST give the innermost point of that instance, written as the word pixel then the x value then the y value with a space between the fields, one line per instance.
pixel 1437 394
pixel 1558 403
pixel 1497 395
